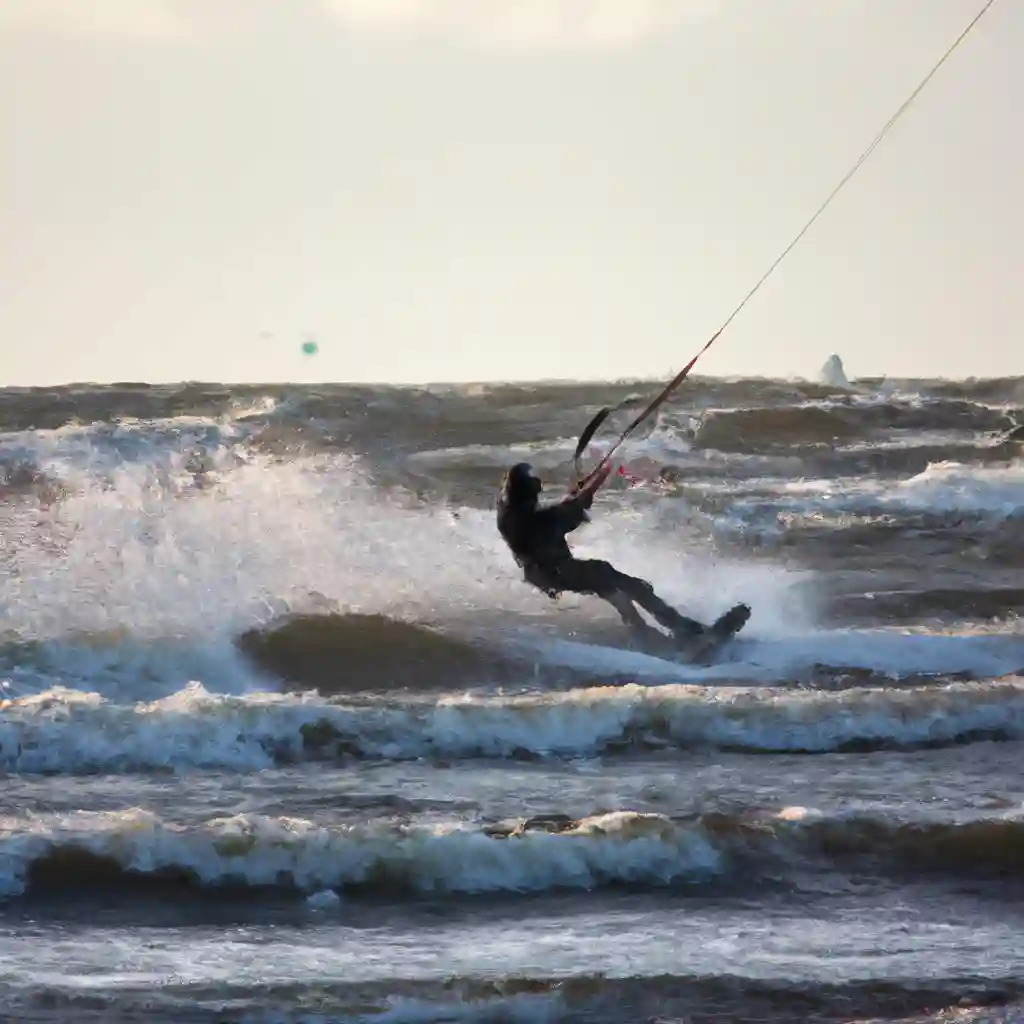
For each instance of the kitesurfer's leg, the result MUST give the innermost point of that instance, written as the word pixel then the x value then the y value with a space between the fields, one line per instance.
pixel 680 625
pixel 626 609
pixel 593 576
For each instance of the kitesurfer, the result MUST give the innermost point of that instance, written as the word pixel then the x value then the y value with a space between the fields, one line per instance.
pixel 536 535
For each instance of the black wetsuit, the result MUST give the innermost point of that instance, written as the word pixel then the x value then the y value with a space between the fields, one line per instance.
pixel 536 535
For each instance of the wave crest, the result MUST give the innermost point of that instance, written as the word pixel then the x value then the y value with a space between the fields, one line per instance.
pixel 623 847
pixel 63 731
pixel 767 430
pixel 352 652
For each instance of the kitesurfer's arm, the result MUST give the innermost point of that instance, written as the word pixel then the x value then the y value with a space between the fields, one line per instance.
pixel 585 494
pixel 571 511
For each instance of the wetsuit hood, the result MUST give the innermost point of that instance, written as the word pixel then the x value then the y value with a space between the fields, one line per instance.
pixel 522 486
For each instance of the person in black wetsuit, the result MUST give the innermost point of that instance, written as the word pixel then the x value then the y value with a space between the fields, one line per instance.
pixel 536 535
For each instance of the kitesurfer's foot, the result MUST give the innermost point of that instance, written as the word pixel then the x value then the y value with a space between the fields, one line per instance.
pixel 732 621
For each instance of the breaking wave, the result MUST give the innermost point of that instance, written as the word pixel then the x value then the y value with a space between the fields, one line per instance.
pixel 367 652
pixel 75 732
pixel 105 849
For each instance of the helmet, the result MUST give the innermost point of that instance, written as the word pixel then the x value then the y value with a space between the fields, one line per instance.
pixel 522 484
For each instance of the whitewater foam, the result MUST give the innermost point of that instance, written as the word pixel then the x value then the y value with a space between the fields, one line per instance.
pixel 257 851
pixel 941 488
pixel 51 851
pixel 890 652
pixel 69 731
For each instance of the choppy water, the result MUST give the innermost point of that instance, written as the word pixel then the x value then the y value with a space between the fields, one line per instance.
pixel 285 737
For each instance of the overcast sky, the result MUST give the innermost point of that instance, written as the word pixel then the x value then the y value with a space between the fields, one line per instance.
pixel 492 189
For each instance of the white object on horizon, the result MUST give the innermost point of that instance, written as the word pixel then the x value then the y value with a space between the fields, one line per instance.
pixel 833 374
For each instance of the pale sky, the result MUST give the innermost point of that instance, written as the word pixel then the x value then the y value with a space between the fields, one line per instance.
pixel 505 189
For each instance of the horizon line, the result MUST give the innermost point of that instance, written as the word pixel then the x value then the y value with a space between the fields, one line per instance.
pixel 487 382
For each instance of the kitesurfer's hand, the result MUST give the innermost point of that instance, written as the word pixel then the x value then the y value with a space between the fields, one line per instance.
pixel 585 492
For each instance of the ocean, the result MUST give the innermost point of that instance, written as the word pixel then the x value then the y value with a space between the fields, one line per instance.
pixel 285 737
